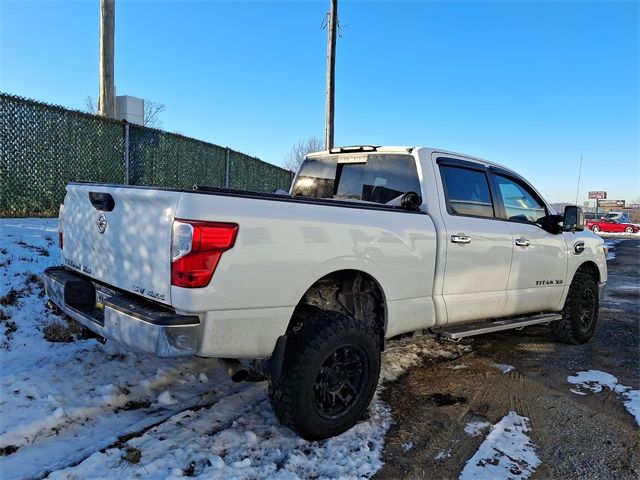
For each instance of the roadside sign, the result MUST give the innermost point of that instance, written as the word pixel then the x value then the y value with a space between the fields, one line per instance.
pixel 587 204
pixel 611 203
pixel 598 195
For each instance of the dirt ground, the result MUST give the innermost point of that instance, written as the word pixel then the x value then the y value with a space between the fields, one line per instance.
pixel 576 436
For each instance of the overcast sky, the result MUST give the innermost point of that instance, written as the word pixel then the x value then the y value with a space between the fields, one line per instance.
pixel 531 85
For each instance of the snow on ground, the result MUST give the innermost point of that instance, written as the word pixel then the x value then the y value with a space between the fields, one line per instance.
pixel 407 446
pixel 443 454
pixel 63 401
pixel 595 381
pixel 79 409
pixel 506 452
pixel 611 244
pixel 503 367
pixel 617 234
pixel 476 425
pixel 458 367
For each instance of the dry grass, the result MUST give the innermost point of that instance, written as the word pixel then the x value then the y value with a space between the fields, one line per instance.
pixel 32 278
pixel 62 331
pixel 190 471
pixel 10 298
pixel 132 455
pixel 8 450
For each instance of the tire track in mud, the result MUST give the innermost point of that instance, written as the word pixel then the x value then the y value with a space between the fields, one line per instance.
pixel 587 436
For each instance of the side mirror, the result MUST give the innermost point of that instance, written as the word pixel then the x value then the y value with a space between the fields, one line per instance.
pixel 573 219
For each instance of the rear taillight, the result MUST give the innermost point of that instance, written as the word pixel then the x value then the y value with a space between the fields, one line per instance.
pixel 60 235
pixel 196 248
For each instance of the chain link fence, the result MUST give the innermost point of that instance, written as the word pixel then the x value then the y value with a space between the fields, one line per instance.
pixel 43 147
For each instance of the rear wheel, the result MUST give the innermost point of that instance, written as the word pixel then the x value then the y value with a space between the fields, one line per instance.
pixel 628 230
pixel 330 373
pixel 595 228
pixel 580 313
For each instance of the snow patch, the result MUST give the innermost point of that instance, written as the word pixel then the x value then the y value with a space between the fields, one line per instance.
pixel 476 425
pixel 165 398
pixel 503 367
pixel 407 446
pixel 507 452
pixel 611 245
pixel 459 367
pixel 595 381
pixel 443 455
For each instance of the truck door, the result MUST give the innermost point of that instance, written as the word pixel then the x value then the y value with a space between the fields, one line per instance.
pixel 539 265
pixel 478 244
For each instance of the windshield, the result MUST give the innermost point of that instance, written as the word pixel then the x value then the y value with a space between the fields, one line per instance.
pixel 377 178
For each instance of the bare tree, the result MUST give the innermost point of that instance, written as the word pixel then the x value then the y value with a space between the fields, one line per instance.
pixel 152 112
pixel 90 104
pixel 299 150
pixel 635 213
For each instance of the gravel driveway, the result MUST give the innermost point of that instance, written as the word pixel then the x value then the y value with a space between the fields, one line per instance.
pixel 583 429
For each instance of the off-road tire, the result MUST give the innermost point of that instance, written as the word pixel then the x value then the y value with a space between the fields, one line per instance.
pixel 310 345
pixel 577 324
pixel 595 228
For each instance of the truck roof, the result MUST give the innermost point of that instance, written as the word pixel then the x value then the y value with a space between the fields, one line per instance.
pixel 401 149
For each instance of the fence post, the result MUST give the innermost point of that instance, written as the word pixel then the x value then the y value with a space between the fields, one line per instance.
pixel 126 153
pixel 226 168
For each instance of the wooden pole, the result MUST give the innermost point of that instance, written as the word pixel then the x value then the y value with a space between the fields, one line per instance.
pixel 331 75
pixel 106 97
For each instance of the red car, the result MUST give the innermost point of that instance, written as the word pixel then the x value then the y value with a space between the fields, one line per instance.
pixel 609 225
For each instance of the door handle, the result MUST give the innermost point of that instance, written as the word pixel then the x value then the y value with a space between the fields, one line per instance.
pixel 522 242
pixel 460 239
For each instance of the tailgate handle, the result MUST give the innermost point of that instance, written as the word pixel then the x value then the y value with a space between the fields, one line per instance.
pixel 102 201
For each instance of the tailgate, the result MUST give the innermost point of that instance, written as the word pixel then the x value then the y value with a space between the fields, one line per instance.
pixel 121 236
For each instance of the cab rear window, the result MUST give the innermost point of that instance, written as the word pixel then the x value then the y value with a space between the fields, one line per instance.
pixel 377 178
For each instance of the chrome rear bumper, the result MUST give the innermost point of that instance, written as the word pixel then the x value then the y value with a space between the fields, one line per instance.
pixel 139 324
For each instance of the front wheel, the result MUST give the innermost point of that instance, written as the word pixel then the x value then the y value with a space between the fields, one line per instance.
pixel 329 375
pixel 628 230
pixel 595 229
pixel 580 313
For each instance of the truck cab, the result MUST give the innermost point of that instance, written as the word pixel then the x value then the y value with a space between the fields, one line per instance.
pixel 499 252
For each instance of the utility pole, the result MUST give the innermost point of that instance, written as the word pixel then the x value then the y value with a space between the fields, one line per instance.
pixel 331 75
pixel 106 97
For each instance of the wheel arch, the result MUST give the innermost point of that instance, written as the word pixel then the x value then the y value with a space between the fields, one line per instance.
pixel 589 267
pixel 350 291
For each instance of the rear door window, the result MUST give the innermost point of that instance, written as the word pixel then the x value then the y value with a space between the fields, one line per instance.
pixel 467 192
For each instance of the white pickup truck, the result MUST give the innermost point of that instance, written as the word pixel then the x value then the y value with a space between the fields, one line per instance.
pixel 370 243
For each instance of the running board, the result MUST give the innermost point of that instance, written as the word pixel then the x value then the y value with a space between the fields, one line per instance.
pixel 456 332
